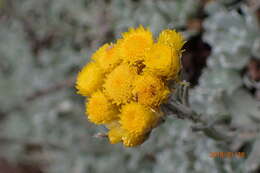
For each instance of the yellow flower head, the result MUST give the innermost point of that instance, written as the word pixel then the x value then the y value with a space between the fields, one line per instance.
pixel 100 110
pixel 119 83
pixel 133 140
pixel 162 60
pixel 107 57
pixel 89 79
pixel 134 44
pixel 115 134
pixel 150 90
pixel 137 119
pixel 172 38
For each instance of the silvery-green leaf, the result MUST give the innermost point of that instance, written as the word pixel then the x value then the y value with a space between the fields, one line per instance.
pixel 242 107
pixel 256 49
pixel 253 161
pixel 232 36
pixel 220 79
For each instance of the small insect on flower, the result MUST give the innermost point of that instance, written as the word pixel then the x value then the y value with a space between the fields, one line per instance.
pixel 127 82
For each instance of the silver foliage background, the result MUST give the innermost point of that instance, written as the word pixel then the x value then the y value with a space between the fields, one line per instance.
pixel 44 44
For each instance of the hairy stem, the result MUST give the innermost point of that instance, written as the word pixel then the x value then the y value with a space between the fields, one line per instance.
pixel 179 107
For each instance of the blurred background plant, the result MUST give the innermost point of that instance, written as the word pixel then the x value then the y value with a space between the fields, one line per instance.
pixel 45 43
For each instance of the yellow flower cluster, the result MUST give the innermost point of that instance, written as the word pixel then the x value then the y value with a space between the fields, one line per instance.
pixel 127 81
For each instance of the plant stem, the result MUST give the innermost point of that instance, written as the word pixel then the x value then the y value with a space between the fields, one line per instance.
pixel 183 112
